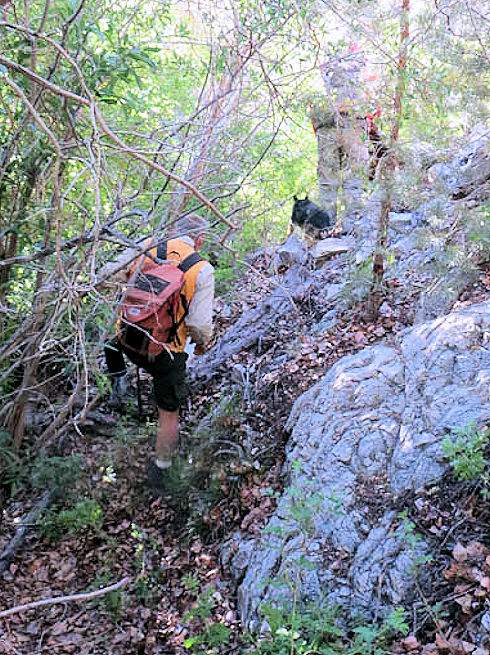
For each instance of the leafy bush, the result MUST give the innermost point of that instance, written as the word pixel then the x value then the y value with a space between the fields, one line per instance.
pixel 86 514
pixel 215 635
pixel 466 452
pixel 56 473
pixel 317 630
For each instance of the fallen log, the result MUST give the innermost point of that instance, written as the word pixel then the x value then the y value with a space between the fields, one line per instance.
pixel 22 531
pixel 251 327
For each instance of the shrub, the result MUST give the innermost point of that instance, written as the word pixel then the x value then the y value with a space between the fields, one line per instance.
pixel 86 514
pixel 317 630
pixel 56 473
pixel 466 451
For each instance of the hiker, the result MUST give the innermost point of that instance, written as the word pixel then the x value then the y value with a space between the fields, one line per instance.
pixel 167 363
pixel 343 130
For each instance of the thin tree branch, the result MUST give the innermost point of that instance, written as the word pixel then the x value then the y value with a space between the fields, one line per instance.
pixel 54 88
pixel 65 599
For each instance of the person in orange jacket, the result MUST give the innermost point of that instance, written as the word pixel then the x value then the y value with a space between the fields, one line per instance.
pixel 168 369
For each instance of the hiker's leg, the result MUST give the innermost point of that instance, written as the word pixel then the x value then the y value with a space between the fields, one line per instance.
pixel 167 436
pixel 355 174
pixel 114 358
pixel 328 167
pixel 170 392
pixel 116 368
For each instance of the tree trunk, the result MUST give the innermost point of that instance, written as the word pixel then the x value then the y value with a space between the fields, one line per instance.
pixel 387 169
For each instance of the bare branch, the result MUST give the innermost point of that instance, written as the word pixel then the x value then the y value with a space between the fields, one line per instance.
pixel 90 595
pixel 54 88
pixel 95 111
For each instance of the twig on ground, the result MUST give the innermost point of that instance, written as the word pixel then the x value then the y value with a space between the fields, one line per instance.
pixel 65 599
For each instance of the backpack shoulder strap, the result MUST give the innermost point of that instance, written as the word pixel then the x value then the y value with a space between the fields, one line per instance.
pixel 185 266
pixel 190 261
pixel 162 250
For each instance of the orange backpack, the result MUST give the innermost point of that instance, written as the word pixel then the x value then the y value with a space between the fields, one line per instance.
pixel 150 303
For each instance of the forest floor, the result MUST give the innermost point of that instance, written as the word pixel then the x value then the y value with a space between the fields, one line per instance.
pixel 179 599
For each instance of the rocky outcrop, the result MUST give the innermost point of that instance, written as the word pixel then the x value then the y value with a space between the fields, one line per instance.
pixel 253 326
pixel 326 248
pixel 370 429
pixel 431 245
pixel 293 251
pixel 468 174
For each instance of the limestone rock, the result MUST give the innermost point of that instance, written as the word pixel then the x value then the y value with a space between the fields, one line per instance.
pixel 332 246
pixel 292 251
pixel 377 417
pixel 443 292
pixel 403 222
pixel 469 170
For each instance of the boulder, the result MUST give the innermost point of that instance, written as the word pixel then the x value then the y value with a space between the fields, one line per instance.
pixel 469 171
pixel 403 222
pixel 292 251
pixel 332 246
pixel 369 430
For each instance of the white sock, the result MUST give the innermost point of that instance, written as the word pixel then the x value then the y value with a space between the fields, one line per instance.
pixel 163 463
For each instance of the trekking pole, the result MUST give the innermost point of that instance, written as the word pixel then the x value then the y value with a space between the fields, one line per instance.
pixel 138 387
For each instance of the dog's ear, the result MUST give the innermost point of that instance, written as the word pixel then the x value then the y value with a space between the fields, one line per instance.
pixel 306 198
pixel 295 199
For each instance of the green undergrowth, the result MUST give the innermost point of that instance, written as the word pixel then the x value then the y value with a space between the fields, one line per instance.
pixel 310 629
pixel 71 512
pixel 85 514
pixel 323 631
pixel 204 473
pixel 58 474
pixel 467 452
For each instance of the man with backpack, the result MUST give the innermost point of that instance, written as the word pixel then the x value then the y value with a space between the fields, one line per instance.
pixel 346 133
pixel 168 300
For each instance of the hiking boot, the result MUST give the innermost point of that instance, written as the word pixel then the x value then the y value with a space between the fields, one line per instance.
pixel 119 392
pixel 172 481
pixel 156 477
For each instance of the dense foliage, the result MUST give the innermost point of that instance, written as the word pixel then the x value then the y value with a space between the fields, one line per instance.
pixel 116 118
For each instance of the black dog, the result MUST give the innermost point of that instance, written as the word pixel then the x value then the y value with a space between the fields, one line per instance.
pixel 310 217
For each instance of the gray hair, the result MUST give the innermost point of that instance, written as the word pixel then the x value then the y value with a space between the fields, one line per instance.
pixel 191 225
